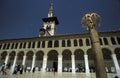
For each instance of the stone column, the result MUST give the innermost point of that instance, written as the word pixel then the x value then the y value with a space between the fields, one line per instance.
pixel 6 59
pixel 87 70
pixel 99 60
pixel 116 64
pixel 44 63
pixel 24 59
pixel 14 63
pixel 59 63
pixel 73 63
pixel 33 62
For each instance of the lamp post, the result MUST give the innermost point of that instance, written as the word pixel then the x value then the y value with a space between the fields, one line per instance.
pixel 91 21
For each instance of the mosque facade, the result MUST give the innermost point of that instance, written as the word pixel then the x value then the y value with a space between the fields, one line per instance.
pixel 63 53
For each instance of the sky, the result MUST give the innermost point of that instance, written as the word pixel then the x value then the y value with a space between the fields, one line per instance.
pixel 23 18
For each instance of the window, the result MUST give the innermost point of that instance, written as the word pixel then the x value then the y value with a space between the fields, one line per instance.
pixel 105 41
pixel 4 46
pixel 75 43
pixel 38 44
pixel 68 43
pixel 29 45
pixel 113 41
pixel 87 42
pixel 49 44
pixel 118 39
pixel 63 43
pixel 16 45
pixel 56 43
pixel 24 46
pixel 33 45
pixel 0 46
pixel 43 44
pixel 12 46
pixel 80 42
pixel 20 45
pixel 8 45
pixel 100 41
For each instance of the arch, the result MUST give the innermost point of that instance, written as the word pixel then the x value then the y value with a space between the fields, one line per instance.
pixel 11 57
pixel 29 57
pixel 75 43
pixel 118 40
pixel 24 45
pixel 106 53
pixel 49 44
pixel 79 54
pixel 43 44
pixel 20 57
pixel 90 54
pixel 67 54
pixel 52 60
pixel 79 60
pixel 80 42
pixel 39 59
pixel 39 55
pixel 66 60
pixel 68 43
pixel 100 41
pixel 3 57
pixel 113 40
pixel 108 60
pixel 91 59
pixel 87 42
pixel 52 55
pixel 105 41
pixel 63 43
pixel 33 45
pixel 38 44
pixel 56 43
pixel 117 52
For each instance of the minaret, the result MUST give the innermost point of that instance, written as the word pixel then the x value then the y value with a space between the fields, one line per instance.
pixel 49 25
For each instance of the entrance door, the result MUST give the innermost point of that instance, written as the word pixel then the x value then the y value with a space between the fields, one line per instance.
pixel 55 66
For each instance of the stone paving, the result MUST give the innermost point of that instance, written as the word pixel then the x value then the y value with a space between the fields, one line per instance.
pixel 51 75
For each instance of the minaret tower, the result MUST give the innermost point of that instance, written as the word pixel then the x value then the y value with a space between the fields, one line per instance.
pixel 50 23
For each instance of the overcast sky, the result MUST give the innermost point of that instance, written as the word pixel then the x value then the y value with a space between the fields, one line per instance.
pixel 23 18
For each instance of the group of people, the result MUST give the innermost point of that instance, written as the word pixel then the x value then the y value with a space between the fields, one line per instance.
pixel 18 68
pixel 3 69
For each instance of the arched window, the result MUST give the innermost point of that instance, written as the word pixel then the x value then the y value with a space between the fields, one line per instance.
pixel 43 44
pixel 0 46
pixel 4 46
pixel 68 43
pixel 12 46
pixel 24 46
pixel 29 45
pixel 100 41
pixel 21 45
pixel 87 42
pixel 16 45
pixel 33 45
pixel 118 39
pixel 49 44
pixel 8 45
pixel 80 42
pixel 75 43
pixel 56 43
pixel 38 44
pixel 63 43
pixel 113 41
pixel 105 41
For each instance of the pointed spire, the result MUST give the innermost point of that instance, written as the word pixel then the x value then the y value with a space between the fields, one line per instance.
pixel 51 10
